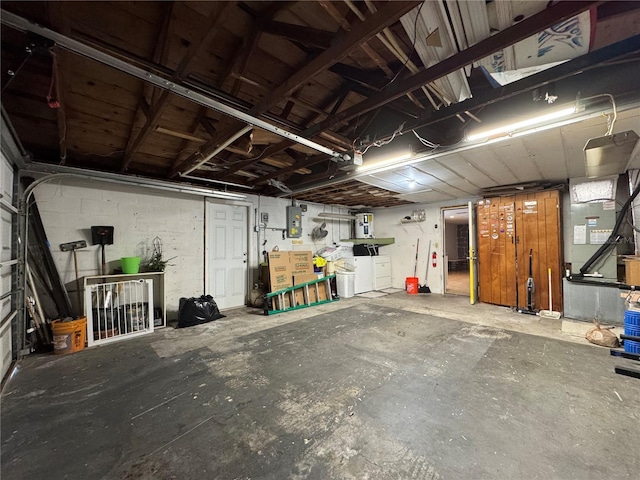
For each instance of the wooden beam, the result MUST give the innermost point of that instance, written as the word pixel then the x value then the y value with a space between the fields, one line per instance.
pixel 527 27
pixel 146 89
pixel 387 15
pixel 282 145
pixel 237 66
pixel 211 29
pixel 307 162
pixel 298 33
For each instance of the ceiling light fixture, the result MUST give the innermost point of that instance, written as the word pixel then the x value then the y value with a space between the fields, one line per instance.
pixel 514 127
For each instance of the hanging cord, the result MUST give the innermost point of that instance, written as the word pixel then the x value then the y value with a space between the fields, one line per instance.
pixel 611 118
pixel 52 100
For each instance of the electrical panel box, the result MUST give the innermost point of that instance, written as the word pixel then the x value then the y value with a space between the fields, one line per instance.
pixel 294 222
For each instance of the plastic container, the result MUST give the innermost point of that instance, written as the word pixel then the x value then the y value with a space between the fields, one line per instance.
pixel 130 264
pixel 632 327
pixel 411 285
pixel 346 284
pixel 631 346
pixel 69 337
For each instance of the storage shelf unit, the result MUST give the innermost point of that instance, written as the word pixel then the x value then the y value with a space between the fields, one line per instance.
pixel 159 300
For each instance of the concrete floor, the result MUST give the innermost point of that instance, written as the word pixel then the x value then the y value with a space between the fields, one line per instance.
pixel 397 387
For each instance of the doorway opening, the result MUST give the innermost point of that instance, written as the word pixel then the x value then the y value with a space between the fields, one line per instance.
pixel 456 250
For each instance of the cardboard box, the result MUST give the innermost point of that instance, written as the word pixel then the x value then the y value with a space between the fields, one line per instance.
pixel 299 280
pixel 313 297
pixel 632 270
pixel 301 262
pixel 280 275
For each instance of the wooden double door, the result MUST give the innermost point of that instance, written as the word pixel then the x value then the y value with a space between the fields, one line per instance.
pixel 514 232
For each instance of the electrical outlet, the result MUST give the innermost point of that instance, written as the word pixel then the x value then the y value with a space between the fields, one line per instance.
pixel 264 217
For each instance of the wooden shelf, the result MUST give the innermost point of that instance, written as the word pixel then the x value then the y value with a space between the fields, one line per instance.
pixel 370 241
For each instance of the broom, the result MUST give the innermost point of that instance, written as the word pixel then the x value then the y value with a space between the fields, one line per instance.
pixel 550 313
pixel 424 288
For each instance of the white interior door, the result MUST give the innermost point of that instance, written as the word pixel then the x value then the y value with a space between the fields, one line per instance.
pixel 226 254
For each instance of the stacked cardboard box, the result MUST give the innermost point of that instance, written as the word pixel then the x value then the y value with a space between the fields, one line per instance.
pixel 291 268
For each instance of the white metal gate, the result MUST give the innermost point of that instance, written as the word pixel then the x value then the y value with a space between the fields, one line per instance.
pixel 118 310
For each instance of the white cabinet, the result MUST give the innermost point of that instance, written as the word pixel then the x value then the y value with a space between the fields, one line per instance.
pixel 372 273
pixel 381 272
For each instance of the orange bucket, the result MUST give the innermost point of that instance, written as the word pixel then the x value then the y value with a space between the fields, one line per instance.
pixel 411 284
pixel 69 337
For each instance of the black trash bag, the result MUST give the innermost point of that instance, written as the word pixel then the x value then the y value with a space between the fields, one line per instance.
pixel 194 311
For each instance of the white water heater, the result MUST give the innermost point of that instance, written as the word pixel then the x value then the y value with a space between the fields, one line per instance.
pixel 364 225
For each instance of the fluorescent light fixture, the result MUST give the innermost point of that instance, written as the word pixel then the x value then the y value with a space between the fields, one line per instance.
pixel 384 163
pixel 513 127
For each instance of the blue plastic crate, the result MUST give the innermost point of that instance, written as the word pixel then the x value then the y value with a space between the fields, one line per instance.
pixel 631 347
pixel 634 332
pixel 632 317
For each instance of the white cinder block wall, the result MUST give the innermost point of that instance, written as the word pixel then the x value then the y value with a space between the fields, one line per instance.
pixel 403 251
pixel 69 207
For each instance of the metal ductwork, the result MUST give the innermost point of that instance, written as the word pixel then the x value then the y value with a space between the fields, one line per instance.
pixel 610 154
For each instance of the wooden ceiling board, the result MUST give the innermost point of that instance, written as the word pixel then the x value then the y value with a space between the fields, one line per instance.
pixel 314 15
pixel 33 85
pixel 100 85
pixel 152 14
pixel 93 127
pixel 37 131
pixel 202 8
pixel 30 106
pixel 282 48
pixel 113 26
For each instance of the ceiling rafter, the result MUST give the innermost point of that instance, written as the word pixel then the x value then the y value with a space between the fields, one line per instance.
pixel 387 38
pixel 345 25
pixel 341 47
pixel 527 27
pixel 283 144
pixel 211 29
pixel 237 65
pixel 579 64
pixel 147 90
